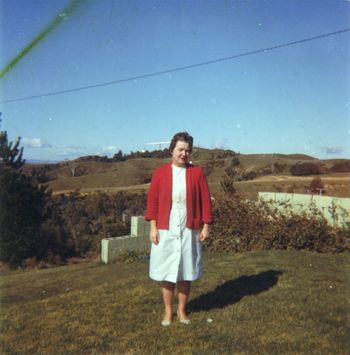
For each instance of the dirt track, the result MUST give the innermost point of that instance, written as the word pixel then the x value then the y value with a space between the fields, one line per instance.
pixel 92 190
pixel 287 178
pixel 336 184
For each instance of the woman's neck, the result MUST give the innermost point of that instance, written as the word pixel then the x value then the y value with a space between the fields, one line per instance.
pixel 178 165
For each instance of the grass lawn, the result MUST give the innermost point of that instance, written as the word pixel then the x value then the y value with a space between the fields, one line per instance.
pixel 270 302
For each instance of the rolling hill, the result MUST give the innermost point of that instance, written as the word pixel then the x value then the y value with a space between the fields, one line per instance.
pixel 250 173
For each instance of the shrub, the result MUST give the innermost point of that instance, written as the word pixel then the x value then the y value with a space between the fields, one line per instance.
pixel 305 169
pixel 81 222
pixel 231 171
pixel 316 185
pixel 341 167
pixel 235 161
pixel 279 168
pixel 247 175
pixel 227 186
pixel 243 225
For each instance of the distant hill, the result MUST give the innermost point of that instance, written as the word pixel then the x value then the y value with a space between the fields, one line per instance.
pixel 298 156
pixel 41 161
pixel 249 173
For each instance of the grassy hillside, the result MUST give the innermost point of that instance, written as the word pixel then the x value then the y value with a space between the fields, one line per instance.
pixel 272 171
pixel 273 302
pixel 99 175
pixel 337 184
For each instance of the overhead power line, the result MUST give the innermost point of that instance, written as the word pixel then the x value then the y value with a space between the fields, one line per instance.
pixel 186 67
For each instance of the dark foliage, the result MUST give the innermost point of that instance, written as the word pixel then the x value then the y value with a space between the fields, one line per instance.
pixel 22 213
pixel 246 175
pixel 231 171
pixel 119 156
pixel 227 186
pixel 341 167
pixel 301 169
pixel 40 175
pixel 279 168
pixel 85 220
pixel 10 154
pixel 160 154
pixel 222 154
pixel 98 158
pixel 23 208
pixel 316 185
pixel 242 225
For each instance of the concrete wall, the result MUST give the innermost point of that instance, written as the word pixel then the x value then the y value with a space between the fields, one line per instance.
pixel 138 240
pixel 335 209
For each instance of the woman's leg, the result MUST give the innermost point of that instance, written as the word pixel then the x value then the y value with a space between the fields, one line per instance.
pixel 168 294
pixel 184 288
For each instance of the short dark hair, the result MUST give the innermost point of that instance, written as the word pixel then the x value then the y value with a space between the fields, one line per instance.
pixel 183 137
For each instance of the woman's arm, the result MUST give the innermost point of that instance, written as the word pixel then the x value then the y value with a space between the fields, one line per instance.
pixel 207 217
pixel 205 206
pixel 154 234
pixel 204 234
pixel 152 198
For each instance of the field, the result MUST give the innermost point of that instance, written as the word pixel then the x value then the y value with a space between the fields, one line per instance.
pixel 271 173
pixel 336 184
pixel 270 302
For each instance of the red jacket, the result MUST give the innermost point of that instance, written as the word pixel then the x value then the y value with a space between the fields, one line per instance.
pixel 198 202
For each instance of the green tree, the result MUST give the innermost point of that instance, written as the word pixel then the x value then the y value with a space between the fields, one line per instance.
pixel 307 168
pixel 119 156
pixel 316 185
pixel 10 155
pixel 22 207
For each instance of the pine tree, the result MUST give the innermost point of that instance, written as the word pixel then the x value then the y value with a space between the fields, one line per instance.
pixel 22 207
pixel 10 156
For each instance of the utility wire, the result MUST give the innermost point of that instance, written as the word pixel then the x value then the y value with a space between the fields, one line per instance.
pixel 149 75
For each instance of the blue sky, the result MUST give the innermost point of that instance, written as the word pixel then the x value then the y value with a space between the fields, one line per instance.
pixel 289 100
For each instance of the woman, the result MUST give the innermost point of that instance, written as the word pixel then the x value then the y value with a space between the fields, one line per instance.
pixel 179 209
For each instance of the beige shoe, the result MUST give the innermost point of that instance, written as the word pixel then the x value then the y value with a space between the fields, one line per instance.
pixel 183 321
pixel 166 323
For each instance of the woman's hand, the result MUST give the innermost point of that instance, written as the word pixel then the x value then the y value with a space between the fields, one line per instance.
pixel 204 233
pixel 154 234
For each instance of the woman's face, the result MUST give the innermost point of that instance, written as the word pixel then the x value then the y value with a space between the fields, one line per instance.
pixel 181 153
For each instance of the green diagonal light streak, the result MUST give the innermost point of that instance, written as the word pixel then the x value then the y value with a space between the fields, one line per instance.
pixel 67 10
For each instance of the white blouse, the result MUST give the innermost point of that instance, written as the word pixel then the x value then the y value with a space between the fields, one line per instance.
pixel 178 255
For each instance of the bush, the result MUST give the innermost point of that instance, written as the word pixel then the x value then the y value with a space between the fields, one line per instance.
pixel 301 169
pixel 279 168
pixel 247 175
pixel 341 167
pixel 243 225
pixel 316 185
pixel 81 222
pixel 231 171
pixel 227 186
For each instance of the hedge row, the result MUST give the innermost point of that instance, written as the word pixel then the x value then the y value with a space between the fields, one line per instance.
pixel 243 225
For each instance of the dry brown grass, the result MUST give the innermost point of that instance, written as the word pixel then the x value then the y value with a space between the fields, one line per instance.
pixel 130 175
pixel 337 185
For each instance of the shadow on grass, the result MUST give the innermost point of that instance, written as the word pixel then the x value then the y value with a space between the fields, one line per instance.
pixel 233 291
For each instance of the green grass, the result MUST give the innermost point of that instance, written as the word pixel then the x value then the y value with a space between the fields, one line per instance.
pixel 271 302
